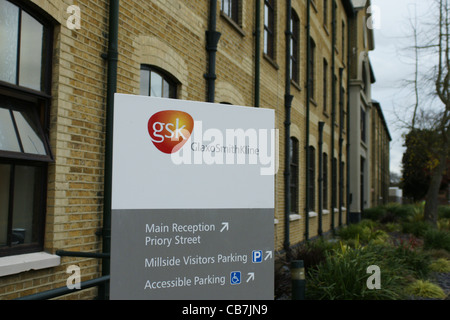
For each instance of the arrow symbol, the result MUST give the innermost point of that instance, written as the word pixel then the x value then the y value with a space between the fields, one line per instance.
pixel 251 276
pixel 226 226
pixel 269 255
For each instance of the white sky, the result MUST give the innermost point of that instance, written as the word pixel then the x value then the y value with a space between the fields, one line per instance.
pixel 392 62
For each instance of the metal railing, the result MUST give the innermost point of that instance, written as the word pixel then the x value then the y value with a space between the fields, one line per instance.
pixel 58 292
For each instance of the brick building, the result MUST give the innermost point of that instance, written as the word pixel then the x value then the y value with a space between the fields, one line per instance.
pixel 66 58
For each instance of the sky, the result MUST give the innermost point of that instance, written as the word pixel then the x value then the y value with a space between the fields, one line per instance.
pixel 393 63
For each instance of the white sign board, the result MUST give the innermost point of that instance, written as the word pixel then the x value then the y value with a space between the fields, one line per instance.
pixel 192 200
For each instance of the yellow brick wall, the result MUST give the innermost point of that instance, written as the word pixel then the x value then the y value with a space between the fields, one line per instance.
pixel 169 34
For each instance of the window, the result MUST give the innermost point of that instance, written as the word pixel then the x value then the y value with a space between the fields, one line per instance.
pixel 311 178
pixel 325 12
pixel 295 48
pixel 325 84
pixel 25 61
pixel 22 39
pixel 311 63
pixel 293 156
pixel 334 183
pixel 362 183
pixel 363 125
pixel 343 41
pixel 325 181
pixel 342 111
pixel 156 83
pixel 341 183
pixel 231 9
pixel 269 28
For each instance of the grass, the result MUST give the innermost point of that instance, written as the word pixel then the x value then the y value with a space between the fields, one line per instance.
pixel 440 265
pixel 425 289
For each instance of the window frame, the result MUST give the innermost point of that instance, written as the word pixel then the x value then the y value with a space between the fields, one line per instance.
pixel 232 12
pixel 325 180
pixel 36 103
pixel 47 50
pixel 363 125
pixel 171 80
pixel 39 231
pixel 312 179
pixel 269 28
pixel 325 85
pixel 311 74
pixel 295 47
pixel 294 175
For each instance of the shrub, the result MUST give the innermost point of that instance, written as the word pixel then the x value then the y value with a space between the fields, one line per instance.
pixel 426 289
pixel 444 212
pixel 415 261
pixel 375 213
pixel 363 232
pixel 312 253
pixel 440 265
pixel 417 228
pixel 343 276
pixel 393 227
pixel 443 224
pixel 396 212
pixel 437 239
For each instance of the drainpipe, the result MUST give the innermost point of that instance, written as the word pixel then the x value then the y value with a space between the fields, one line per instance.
pixel 308 86
pixel 321 125
pixel 257 51
pixel 341 141
pixel 348 202
pixel 287 126
pixel 212 39
pixel 112 58
pixel 333 114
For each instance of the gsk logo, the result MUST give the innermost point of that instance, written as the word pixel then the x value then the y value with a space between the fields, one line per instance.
pixel 169 130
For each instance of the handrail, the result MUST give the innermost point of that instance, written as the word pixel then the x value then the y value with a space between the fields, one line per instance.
pixel 63 253
pixel 54 293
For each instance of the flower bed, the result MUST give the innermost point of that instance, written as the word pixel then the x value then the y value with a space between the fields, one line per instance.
pixel 412 257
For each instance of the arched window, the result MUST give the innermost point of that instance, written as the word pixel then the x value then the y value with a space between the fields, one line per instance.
pixel 25 68
pixel 157 83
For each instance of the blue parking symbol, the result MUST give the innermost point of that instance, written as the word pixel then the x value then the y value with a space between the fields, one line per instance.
pixel 257 256
pixel 235 277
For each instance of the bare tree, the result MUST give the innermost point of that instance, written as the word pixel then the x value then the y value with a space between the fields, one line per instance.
pixel 435 118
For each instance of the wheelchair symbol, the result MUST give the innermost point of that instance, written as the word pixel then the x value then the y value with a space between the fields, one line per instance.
pixel 235 277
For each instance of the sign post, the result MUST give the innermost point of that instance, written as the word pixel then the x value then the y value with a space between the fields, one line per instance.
pixel 192 200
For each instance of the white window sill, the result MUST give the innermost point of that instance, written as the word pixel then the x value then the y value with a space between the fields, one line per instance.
pixel 294 216
pixel 326 211
pixel 275 221
pixel 312 214
pixel 26 262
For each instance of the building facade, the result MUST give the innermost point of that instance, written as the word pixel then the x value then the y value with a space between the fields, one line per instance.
pixel 369 138
pixel 380 173
pixel 64 61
